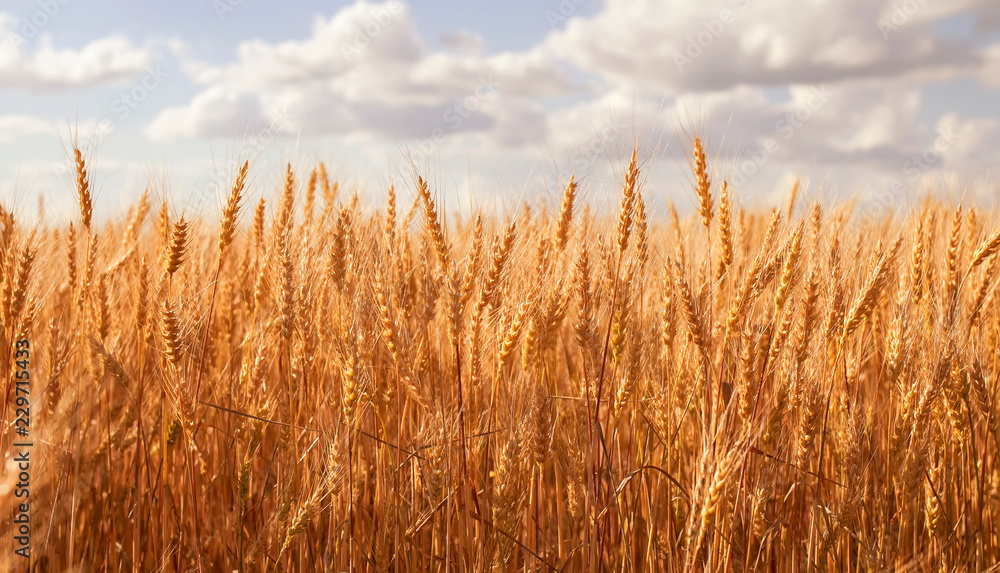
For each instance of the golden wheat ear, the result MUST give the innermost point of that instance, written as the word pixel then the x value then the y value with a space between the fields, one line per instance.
pixel 231 211
pixel 83 189
pixel 703 185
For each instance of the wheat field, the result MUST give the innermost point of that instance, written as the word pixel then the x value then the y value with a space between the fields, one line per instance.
pixel 310 385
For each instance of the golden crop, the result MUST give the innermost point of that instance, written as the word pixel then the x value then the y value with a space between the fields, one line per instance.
pixel 313 386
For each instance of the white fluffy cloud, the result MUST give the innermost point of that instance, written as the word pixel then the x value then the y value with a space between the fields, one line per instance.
pixel 35 64
pixel 676 45
pixel 971 141
pixel 213 112
pixel 363 71
pixel 832 90
pixel 857 128
pixel 14 127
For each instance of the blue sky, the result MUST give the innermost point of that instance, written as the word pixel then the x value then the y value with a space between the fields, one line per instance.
pixel 512 25
pixel 872 99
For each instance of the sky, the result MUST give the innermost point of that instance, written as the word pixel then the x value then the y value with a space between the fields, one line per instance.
pixel 498 102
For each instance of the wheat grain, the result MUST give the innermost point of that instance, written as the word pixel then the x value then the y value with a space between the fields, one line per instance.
pixel 703 185
pixel 777 397
pixel 565 215
pixel 232 209
pixel 83 195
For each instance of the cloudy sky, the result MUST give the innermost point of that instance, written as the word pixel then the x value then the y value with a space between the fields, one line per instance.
pixel 873 99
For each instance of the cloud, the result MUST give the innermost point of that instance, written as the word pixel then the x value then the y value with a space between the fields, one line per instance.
pixel 830 91
pixel 14 127
pixel 677 46
pixel 39 66
pixel 364 71
pixel 850 135
pixel 974 141
pixel 464 42
pixel 989 18
pixel 214 112
pixel 991 70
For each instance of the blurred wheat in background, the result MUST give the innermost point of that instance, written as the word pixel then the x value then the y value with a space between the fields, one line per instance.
pixel 310 385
